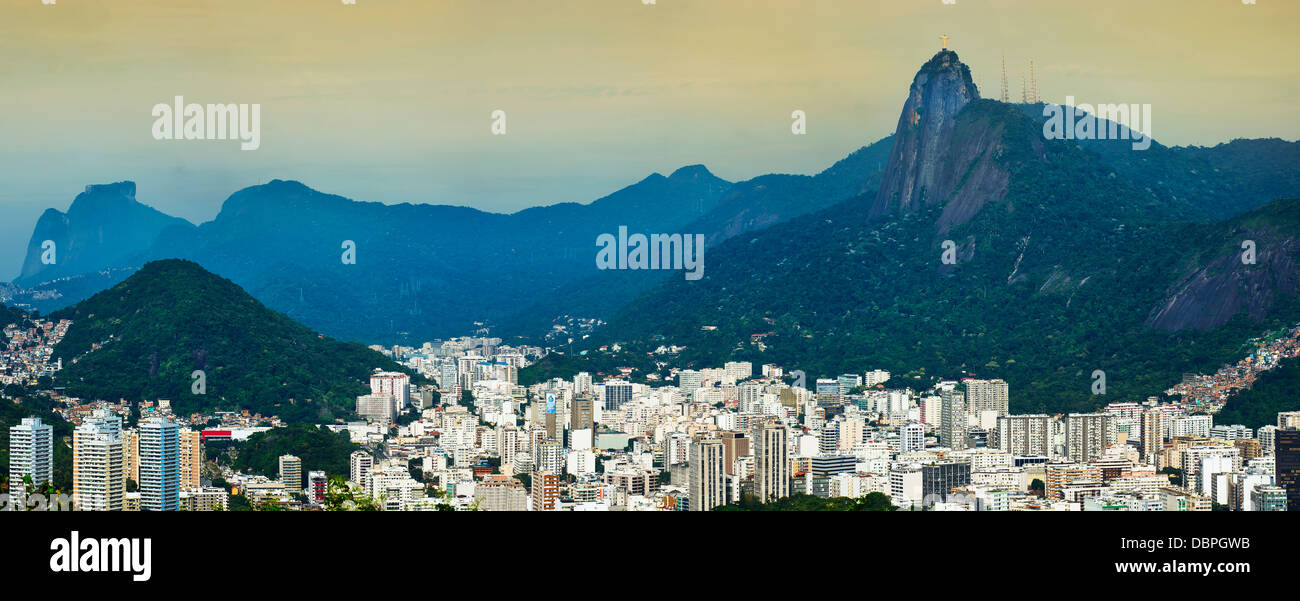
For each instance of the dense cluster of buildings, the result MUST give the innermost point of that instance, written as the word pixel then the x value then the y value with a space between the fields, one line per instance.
pixel 719 435
pixel 153 467
pixel 478 440
pixel 1209 391
pixel 27 354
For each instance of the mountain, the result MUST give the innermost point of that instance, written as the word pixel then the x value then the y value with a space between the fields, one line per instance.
pixel 143 339
pixel 747 206
pixel 105 227
pixel 923 168
pixel 1060 266
pixel 770 199
pixel 421 271
pixel 1205 183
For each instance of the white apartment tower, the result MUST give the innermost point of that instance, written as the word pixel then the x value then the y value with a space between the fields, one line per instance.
pixel 160 465
pixel 98 463
pixel 911 437
pixel 362 464
pixel 1087 434
pixel 1025 435
pixel 31 452
pixel 396 384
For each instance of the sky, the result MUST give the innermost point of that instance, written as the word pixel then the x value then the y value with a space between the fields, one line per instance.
pixel 392 100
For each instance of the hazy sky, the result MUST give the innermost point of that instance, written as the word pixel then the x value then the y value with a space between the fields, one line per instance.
pixel 391 100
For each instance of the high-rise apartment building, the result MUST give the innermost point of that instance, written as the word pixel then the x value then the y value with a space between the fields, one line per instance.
pixel 160 465
pixel 582 414
pixel 617 394
pixel 546 491
pixel 1287 445
pixel 952 420
pixel 317 483
pixel 771 462
pixel 499 492
pixel 1062 475
pixel 291 473
pixel 582 383
pixel 31 454
pixel 1154 423
pixel 734 446
pixel 828 438
pixel 361 464
pixel 707 478
pixel 394 384
pixel 191 449
pixel 987 395
pixel 1087 434
pixel 1025 435
pixel 97 463
pixel 911 437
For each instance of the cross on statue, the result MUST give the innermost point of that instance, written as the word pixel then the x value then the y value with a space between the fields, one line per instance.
pixel 945 39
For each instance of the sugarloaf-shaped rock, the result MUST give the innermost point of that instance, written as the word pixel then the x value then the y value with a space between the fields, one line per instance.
pixel 917 174
pixel 104 227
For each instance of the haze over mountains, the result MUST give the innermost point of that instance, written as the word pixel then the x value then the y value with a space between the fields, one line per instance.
pixel 1071 256
pixel 422 271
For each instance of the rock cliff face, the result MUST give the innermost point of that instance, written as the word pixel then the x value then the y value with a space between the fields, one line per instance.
pixel 924 168
pixel 104 227
pixel 1211 293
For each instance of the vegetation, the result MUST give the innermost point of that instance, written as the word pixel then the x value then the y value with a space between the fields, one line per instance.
pixel 804 502
pixel 1175 475
pixel 340 495
pixel 1272 393
pixel 319 449
pixel 172 318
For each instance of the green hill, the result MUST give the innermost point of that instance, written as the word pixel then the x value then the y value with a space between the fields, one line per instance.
pixel 318 448
pixel 172 317
pixel 1273 393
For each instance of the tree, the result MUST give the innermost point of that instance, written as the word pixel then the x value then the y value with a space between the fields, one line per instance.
pixel 341 495
pixel 1175 475
pixel 874 501
pixel 805 502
